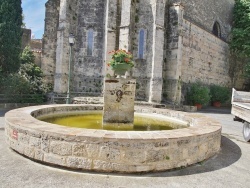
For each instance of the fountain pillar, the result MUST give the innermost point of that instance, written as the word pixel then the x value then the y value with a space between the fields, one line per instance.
pixel 118 109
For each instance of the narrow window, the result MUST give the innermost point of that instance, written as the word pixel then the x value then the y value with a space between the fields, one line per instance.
pixel 216 29
pixel 90 42
pixel 141 43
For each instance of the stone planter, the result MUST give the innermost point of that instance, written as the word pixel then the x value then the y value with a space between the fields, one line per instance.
pixel 189 108
pixel 120 69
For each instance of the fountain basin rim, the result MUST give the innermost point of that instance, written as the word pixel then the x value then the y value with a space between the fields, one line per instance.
pixel 199 124
pixel 111 151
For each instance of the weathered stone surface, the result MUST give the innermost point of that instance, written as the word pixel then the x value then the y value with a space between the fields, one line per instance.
pixel 92 150
pixel 61 148
pixel 49 40
pixel 29 151
pixel 102 165
pixel 54 159
pixel 119 95
pixel 75 162
pixel 156 155
pixel 204 14
pixel 38 155
pixel 35 142
pixel 45 144
pixel 109 154
pixel 179 47
pixel 24 138
pixel 134 156
pixel 80 150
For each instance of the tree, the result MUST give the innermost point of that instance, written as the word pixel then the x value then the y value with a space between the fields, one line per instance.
pixel 28 80
pixel 31 72
pixel 23 24
pixel 10 35
pixel 240 42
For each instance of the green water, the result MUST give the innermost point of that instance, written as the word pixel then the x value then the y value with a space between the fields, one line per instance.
pixel 93 120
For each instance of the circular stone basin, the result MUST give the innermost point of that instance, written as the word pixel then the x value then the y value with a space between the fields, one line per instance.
pixel 111 151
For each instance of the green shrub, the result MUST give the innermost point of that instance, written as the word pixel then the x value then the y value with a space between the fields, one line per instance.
pixel 17 89
pixel 26 85
pixel 219 93
pixel 198 94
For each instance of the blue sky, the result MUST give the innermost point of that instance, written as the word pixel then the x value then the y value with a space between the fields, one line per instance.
pixel 34 13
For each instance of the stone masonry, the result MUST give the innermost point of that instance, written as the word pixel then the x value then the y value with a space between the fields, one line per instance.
pixel 119 96
pixel 111 151
pixel 175 39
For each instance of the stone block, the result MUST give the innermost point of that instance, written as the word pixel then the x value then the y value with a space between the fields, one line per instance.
pixel 61 148
pixel 134 156
pixel 77 162
pixel 29 151
pixel 39 155
pixel 24 138
pixel 79 150
pixel 92 150
pixel 109 154
pixel 189 108
pixel 54 159
pixel 35 142
pixel 103 165
pixel 156 155
pixel 45 144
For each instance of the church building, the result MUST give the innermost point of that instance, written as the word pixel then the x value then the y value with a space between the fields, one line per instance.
pixel 173 42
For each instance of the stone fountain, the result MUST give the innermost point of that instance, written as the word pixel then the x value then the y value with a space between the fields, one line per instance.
pixel 112 151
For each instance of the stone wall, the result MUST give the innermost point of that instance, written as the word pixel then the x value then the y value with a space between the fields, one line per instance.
pixel 149 16
pixel 88 69
pixel 36 47
pixel 173 60
pixel 50 39
pixel 204 57
pixel 67 24
pixel 143 19
pixel 193 52
pixel 204 14
pixel 26 37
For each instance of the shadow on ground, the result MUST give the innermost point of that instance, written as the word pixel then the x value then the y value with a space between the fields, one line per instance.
pixel 3 111
pixel 229 154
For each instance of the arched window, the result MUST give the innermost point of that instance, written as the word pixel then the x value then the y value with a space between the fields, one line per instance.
pixel 90 42
pixel 141 44
pixel 216 29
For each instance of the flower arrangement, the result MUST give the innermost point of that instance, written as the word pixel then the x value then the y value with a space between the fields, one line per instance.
pixel 121 57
